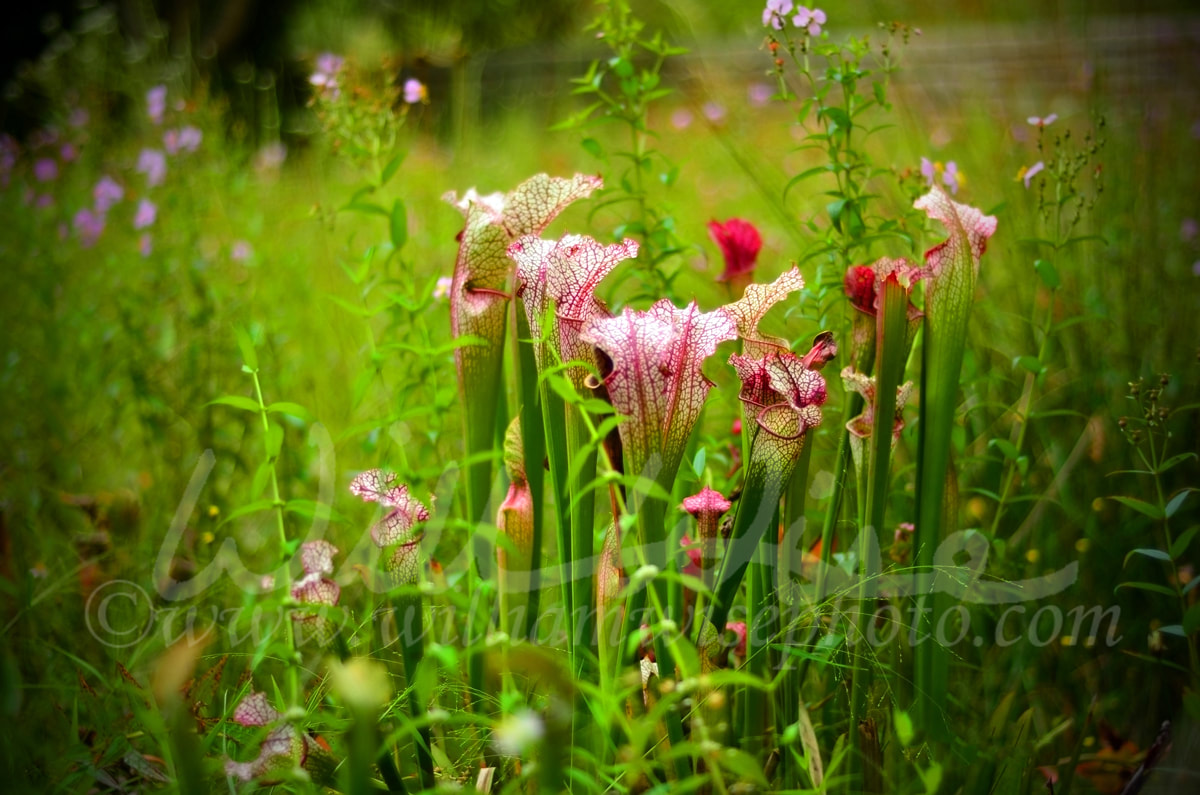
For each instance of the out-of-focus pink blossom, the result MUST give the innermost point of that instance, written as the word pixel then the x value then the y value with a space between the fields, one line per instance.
pixel 270 157
pixel 1038 121
pixel 68 153
pixel 106 193
pixel 146 244
pixel 325 76
pixel 441 290
pixel 152 163
pixel 45 169
pixel 44 201
pixel 241 251
pixel 759 94
pixel 415 91
pixel 681 118
pixel 146 213
pixel 156 103
pixel 1028 173
pixel 951 177
pixel 1188 229
pixel 714 111
pixel 89 226
pixel 78 118
pixel 185 139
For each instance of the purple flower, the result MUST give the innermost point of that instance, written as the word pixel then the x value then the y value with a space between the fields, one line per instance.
pixel 414 91
pixel 681 118
pixel 45 169
pixel 68 152
pixel 927 170
pixel 241 251
pixel 156 103
pixel 1027 173
pixel 441 290
pixel 951 178
pixel 44 201
pixel 185 139
pixel 1188 230
pixel 775 12
pixel 325 77
pixel 1038 121
pixel 809 21
pixel 89 226
pixel 146 244
pixel 106 193
pixel 146 213
pixel 759 94
pixel 713 111
pixel 270 157
pixel 152 163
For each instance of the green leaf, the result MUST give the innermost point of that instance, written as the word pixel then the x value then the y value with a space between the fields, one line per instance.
pixel 390 169
pixel 1141 506
pixel 1176 501
pixel 1174 461
pixel 1180 544
pixel 1031 363
pixel 274 440
pixel 312 510
pixel 838 118
pixel 1191 619
pixel 1049 274
pixel 1006 448
pixel 904 727
pixel 699 462
pixel 1173 629
pixel 592 147
pixel 260 479
pixel 283 407
pixel 246 346
pixel 1148 552
pixel 244 403
pixel 366 208
pixel 249 508
pixel 1147 586
pixel 399 225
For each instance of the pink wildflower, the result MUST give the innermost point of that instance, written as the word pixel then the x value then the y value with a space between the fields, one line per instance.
pixel 156 103
pixel 951 178
pixel 68 152
pixel 89 226
pixel 414 91
pixel 152 163
pixel 681 118
pixel 809 20
pixel 1188 230
pixel 1027 173
pixel 1038 121
pixel 146 213
pixel 146 244
pixel 240 251
pixel 775 12
pixel 740 243
pixel 106 193
pixel 325 77
pixel 759 94
pixel 714 111
pixel 45 169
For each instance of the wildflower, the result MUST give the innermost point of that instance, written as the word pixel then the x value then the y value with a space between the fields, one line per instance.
pixel 106 193
pixel 325 77
pixel 809 21
pixel 928 170
pixel 952 178
pixel 1028 172
pixel 89 226
pixel 39 571
pixel 185 139
pixel 759 94
pixel 740 243
pixel 681 118
pixel 283 748
pixel 713 111
pixel 156 103
pixel 315 588
pixel 1188 230
pixel 860 427
pixel 152 163
pixel 415 91
pixel 775 12
pixel 517 733
pixel 738 628
pixel 270 157
pixel 146 245
pixel 240 251
pixel 68 152
pixel 1038 121
pixel 45 169
pixel 441 290
pixel 146 213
